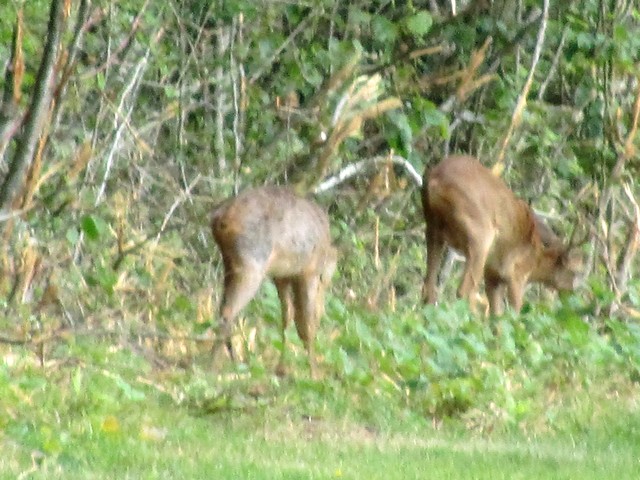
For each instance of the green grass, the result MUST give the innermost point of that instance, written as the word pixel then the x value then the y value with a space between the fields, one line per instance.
pixel 271 445
pixel 84 421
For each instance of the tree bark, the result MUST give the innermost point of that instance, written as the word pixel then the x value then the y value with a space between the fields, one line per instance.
pixel 38 110
pixel 9 121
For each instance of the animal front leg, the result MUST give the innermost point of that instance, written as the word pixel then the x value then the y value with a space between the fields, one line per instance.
pixel 494 288
pixel 435 250
pixel 515 289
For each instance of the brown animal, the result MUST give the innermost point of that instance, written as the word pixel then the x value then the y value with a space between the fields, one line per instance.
pixel 504 242
pixel 270 231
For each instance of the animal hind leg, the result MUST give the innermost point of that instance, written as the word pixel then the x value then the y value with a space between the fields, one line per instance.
pixel 285 293
pixel 306 314
pixel 435 250
pixel 241 282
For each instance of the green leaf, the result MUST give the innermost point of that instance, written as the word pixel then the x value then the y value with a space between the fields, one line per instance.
pixel 311 74
pixel 419 24
pixel 384 30
pixel 576 328
pixel 89 227
pixel 404 128
pixel 77 381
pixel 182 303
pixel 103 277
pixel 72 236
pixel 129 392
pixel 200 328
pixel 101 81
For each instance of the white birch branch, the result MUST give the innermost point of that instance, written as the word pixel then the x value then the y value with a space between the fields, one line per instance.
pixel 358 167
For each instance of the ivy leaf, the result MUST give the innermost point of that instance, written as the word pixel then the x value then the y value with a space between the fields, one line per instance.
pixel 72 236
pixel 419 24
pixel 404 129
pixel 89 227
pixel 384 30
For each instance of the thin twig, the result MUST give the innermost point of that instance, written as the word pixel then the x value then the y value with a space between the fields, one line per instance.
pixel 554 63
pixel 113 57
pixel 223 38
pixel 237 114
pixel 522 99
pixel 183 196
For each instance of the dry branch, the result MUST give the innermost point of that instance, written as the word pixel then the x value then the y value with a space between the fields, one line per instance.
pixel 122 49
pixel 629 147
pixel 631 244
pixel 70 61
pixel 554 63
pixel 468 77
pixel 359 102
pixel 121 117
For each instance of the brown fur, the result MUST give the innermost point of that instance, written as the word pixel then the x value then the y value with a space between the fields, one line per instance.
pixel 503 241
pixel 270 231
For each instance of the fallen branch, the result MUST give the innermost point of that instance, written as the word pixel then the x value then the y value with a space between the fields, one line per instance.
pixel 66 333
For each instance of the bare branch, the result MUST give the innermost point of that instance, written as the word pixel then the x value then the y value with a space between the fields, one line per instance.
pixel 632 243
pixel 122 119
pixel 9 120
pixel 223 40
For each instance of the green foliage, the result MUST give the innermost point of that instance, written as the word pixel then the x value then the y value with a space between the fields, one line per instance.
pixel 419 24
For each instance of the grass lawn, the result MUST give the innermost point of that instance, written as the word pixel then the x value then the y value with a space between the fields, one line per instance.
pixel 156 441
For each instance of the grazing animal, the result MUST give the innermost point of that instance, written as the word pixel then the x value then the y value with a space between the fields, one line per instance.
pixel 504 242
pixel 272 232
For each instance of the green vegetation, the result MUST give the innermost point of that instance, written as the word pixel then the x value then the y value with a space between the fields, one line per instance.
pixel 398 397
pixel 110 281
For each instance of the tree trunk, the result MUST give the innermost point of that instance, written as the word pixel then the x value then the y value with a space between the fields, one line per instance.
pixel 37 110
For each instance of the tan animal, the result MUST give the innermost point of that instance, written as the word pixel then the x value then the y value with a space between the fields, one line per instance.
pixel 503 241
pixel 271 232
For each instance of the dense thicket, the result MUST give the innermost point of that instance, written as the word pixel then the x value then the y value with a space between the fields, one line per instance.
pixel 118 133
